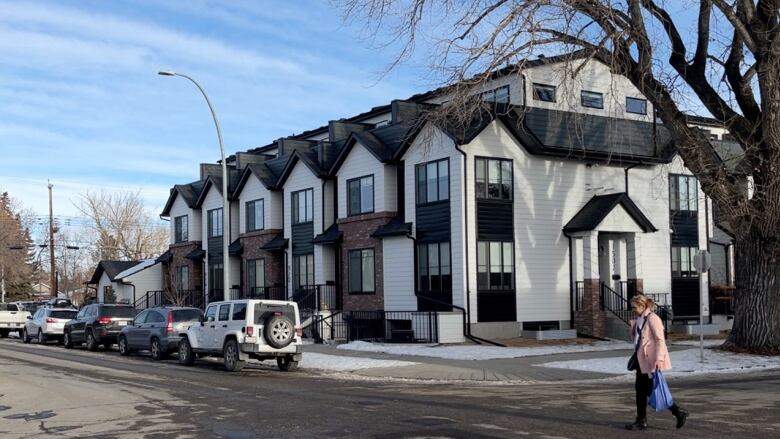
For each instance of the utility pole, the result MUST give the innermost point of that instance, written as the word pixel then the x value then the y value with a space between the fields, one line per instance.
pixel 2 264
pixel 52 273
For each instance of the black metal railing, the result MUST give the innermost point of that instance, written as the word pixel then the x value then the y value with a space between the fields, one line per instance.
pixel 215 295
pixel 385 326
pixel 151 299
pixel 316 297
pixel 267 293
pixel 579 293
pixel 615 303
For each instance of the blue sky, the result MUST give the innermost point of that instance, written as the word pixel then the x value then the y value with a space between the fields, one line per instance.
pixel 81 102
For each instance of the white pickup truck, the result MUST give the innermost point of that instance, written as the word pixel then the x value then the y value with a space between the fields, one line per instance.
pixel 11 319
pixel 238 330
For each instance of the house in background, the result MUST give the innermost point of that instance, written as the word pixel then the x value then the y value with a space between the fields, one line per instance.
pixel 125 281
pixel 547 210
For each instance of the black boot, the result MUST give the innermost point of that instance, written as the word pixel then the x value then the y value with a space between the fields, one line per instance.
pixel 681 415
pixel 640 424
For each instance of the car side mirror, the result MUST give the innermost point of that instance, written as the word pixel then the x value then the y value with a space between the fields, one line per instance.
pixel 29 317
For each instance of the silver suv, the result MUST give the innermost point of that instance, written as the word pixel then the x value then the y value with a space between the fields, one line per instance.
pixel 238 330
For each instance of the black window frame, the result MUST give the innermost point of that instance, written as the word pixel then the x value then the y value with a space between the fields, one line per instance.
pixel 428 284
pixel 220 218
pixel 251 220
pixel 295 204
pixel 583 101
pixel 485 193
pixel 675 198
pixel 490 95
pixel 506 280
pixel 683 269
pixel 215 280
pixel 182 276
pixel 418 189
pixel 537 97
pixel 359 181
pixel 360 252
pixel 251 273
pixel 297 270
pixel 644 105
pixel 181 229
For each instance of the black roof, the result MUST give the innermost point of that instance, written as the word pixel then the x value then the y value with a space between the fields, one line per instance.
pixel 165 257
pixel 330 236
pixel 196 254
pixel 189 192
pixel 598 207
pixel 111 268
pixel 278 243
pixel 261 171
pixel 235 248
pixel 396 227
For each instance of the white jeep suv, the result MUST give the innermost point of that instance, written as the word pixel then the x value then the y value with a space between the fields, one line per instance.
pixel 238 330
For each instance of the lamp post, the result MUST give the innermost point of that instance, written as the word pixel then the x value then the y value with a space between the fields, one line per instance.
pixel 225 204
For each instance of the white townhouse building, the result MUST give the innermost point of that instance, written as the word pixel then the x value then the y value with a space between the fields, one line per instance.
pixel 554 205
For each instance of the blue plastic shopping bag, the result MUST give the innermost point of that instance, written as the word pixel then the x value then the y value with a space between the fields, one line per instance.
pixel 660 397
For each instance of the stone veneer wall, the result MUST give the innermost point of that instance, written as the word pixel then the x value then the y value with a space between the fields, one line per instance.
pixel 274 261
pixel 179 251
pixel 357 232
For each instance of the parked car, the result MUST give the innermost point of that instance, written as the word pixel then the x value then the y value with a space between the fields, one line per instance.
pixel 158 330
pixel 238 330
pixel 47 324
pixel 97 324
pixel 12 319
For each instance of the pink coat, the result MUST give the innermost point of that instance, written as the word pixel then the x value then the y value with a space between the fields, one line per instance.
pixel 653 347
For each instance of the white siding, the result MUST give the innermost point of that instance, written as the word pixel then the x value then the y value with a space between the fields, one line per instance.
pixel 594 76
pixel 433 144
pixel 148 279
pixel 102 283
pixel 327 204
pixel 450 326
pixel 547 194
pixel 361 163
pixel 272 203
pixel 180 208
pixel 398 276
pixel 391 188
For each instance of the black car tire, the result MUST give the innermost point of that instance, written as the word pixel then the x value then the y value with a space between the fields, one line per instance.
pixel 158 353
pixel 231 358
pixel 41 337
pixel 287 364
pixel 186 356
pixel 4 333
pixel 67 342
pixel 279 331
pixel 25 336
pixel 124 348
pixel 92 344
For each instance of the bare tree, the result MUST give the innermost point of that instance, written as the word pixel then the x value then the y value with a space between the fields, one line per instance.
pixel 16 257
pixel 726 60
pixel 124 229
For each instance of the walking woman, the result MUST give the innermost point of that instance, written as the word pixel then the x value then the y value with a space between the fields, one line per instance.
pixel 648 334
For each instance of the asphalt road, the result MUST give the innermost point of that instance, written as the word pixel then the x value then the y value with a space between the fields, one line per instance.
pixel 47 391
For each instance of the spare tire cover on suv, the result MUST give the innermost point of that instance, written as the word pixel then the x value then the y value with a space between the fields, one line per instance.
pixel 279 330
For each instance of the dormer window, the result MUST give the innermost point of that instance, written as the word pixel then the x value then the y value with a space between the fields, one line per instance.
pixel 543 92
pixel 636 105
pixel 592 99
pixel 498 95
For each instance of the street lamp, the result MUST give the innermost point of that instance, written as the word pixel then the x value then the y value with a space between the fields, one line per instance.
pixel 225 205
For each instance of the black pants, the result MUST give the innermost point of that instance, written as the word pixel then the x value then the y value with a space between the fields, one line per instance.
pixel 644 386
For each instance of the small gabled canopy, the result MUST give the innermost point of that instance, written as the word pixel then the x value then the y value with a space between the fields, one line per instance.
pixel 599 207
pixel 330 236
pixel 293 159
pixel 396 227
pixel 165 257
pixel 111 268
pixel 196 254
pixel 278 243
pixel 235 248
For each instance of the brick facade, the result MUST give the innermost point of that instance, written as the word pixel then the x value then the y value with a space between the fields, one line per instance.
pixel 195 268
pixel 357 232
pixel 591 319
pixel 252 243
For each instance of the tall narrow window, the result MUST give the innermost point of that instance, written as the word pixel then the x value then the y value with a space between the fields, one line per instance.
pixel 215 223
pixel 254 215
pixel 543 92
pixel 181 229
pixel 303 270
pixel 361 271
pixel 303 206
pixel 683 193
pixel 255 274
pixel 495 265
pixel 183 278
pixel 591 99
pixel 494 178
pixel 433 181
pixel 216 277
pixel 360 193
pixel 682 262
pixel 636 105
pixel 433 267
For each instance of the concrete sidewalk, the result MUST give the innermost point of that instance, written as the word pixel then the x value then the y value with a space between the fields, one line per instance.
pixel 508 370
